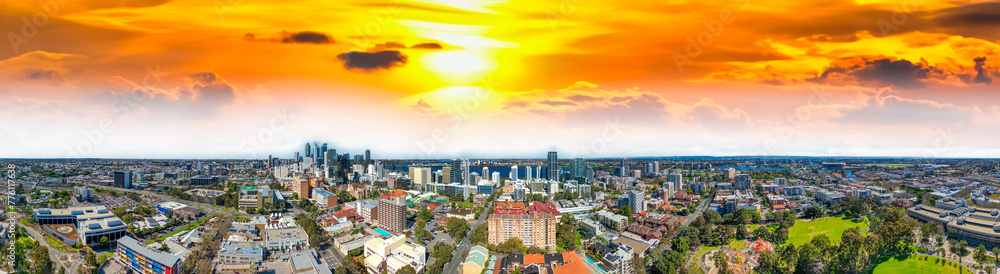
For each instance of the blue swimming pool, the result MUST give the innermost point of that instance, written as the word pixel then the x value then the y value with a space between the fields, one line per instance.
pixel 592 262
pixel 383 232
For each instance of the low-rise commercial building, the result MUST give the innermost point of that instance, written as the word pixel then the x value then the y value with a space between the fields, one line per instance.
pixel 241 253
pixel 141 259
pixel 86 225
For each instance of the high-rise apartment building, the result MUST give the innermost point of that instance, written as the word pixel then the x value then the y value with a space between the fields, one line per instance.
pixel 743 182
pixel 123 179
pixel 729 174
pixel 623 168
pixel 677 180
pixel 392 212
pixel 578 169
pixel 534 224
pixel 552 164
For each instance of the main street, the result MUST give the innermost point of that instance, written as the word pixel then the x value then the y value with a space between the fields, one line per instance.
pixel 465 245
pixel 54 254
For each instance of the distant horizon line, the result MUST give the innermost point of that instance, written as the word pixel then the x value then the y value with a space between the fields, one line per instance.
pixel 543 158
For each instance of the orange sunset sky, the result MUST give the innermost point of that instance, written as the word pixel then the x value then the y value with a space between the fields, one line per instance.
pixel 496 78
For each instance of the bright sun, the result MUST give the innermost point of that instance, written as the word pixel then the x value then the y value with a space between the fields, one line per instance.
pixel 460 66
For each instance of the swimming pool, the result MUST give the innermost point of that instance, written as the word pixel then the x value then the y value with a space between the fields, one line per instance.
pixel 379 230
pixel 592 262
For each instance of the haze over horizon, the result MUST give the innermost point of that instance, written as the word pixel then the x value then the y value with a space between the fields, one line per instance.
pixel 444 79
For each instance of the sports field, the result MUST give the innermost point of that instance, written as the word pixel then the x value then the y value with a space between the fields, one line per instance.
pixel 803 232
pixel 916 264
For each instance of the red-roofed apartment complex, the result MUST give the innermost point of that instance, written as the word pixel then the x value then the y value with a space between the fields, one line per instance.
pixel 534 224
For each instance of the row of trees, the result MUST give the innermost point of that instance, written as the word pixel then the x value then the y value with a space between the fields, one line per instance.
pixel 316 233
pixel 889 232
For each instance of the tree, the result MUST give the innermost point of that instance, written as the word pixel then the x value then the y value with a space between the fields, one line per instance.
pixel 980 254
pixel 104 241
pixel 741 232
pixel 813 212
pixel 425 214
pixel 442 251
pixel 512 245
pixel 480 235
pixel 808 254
pixel 91 258
pixel 680 244
pixel 457 228
pixel 407 270
pixel 762 232
pixel 42 262
pixel 536 250
pixel 996 254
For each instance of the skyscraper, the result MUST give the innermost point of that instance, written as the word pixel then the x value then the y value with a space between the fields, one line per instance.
pixel 677 180
pixel 308 150
pixel 577 169
pixel 513 173
pixel 553 166
pixel 123 179
pixel 456 172
pixel 527 173
pixel 486 171
pixel 318 155
pixel 368 157
pixel 623 170
pixel 467 173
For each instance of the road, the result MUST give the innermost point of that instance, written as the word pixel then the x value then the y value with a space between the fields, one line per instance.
pixel 54 254
pixel 465 245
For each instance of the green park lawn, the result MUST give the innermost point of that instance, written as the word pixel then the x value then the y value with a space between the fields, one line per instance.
pixel 915 264
pixel 833 227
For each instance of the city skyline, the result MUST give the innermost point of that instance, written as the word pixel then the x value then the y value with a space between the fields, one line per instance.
pixel 445 79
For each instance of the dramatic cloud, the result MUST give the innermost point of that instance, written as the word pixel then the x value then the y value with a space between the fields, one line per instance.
pixel 427 46
pixel 302 37
pixel 981 71
pixel 37 65
pixel 372 61
pixel 387 46
pixel 878 72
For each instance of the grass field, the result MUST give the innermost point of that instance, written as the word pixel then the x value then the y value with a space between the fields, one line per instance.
pixel 832 227
pixel 915 264
pixel 242 219
pixel 737 245
pixel 104 257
